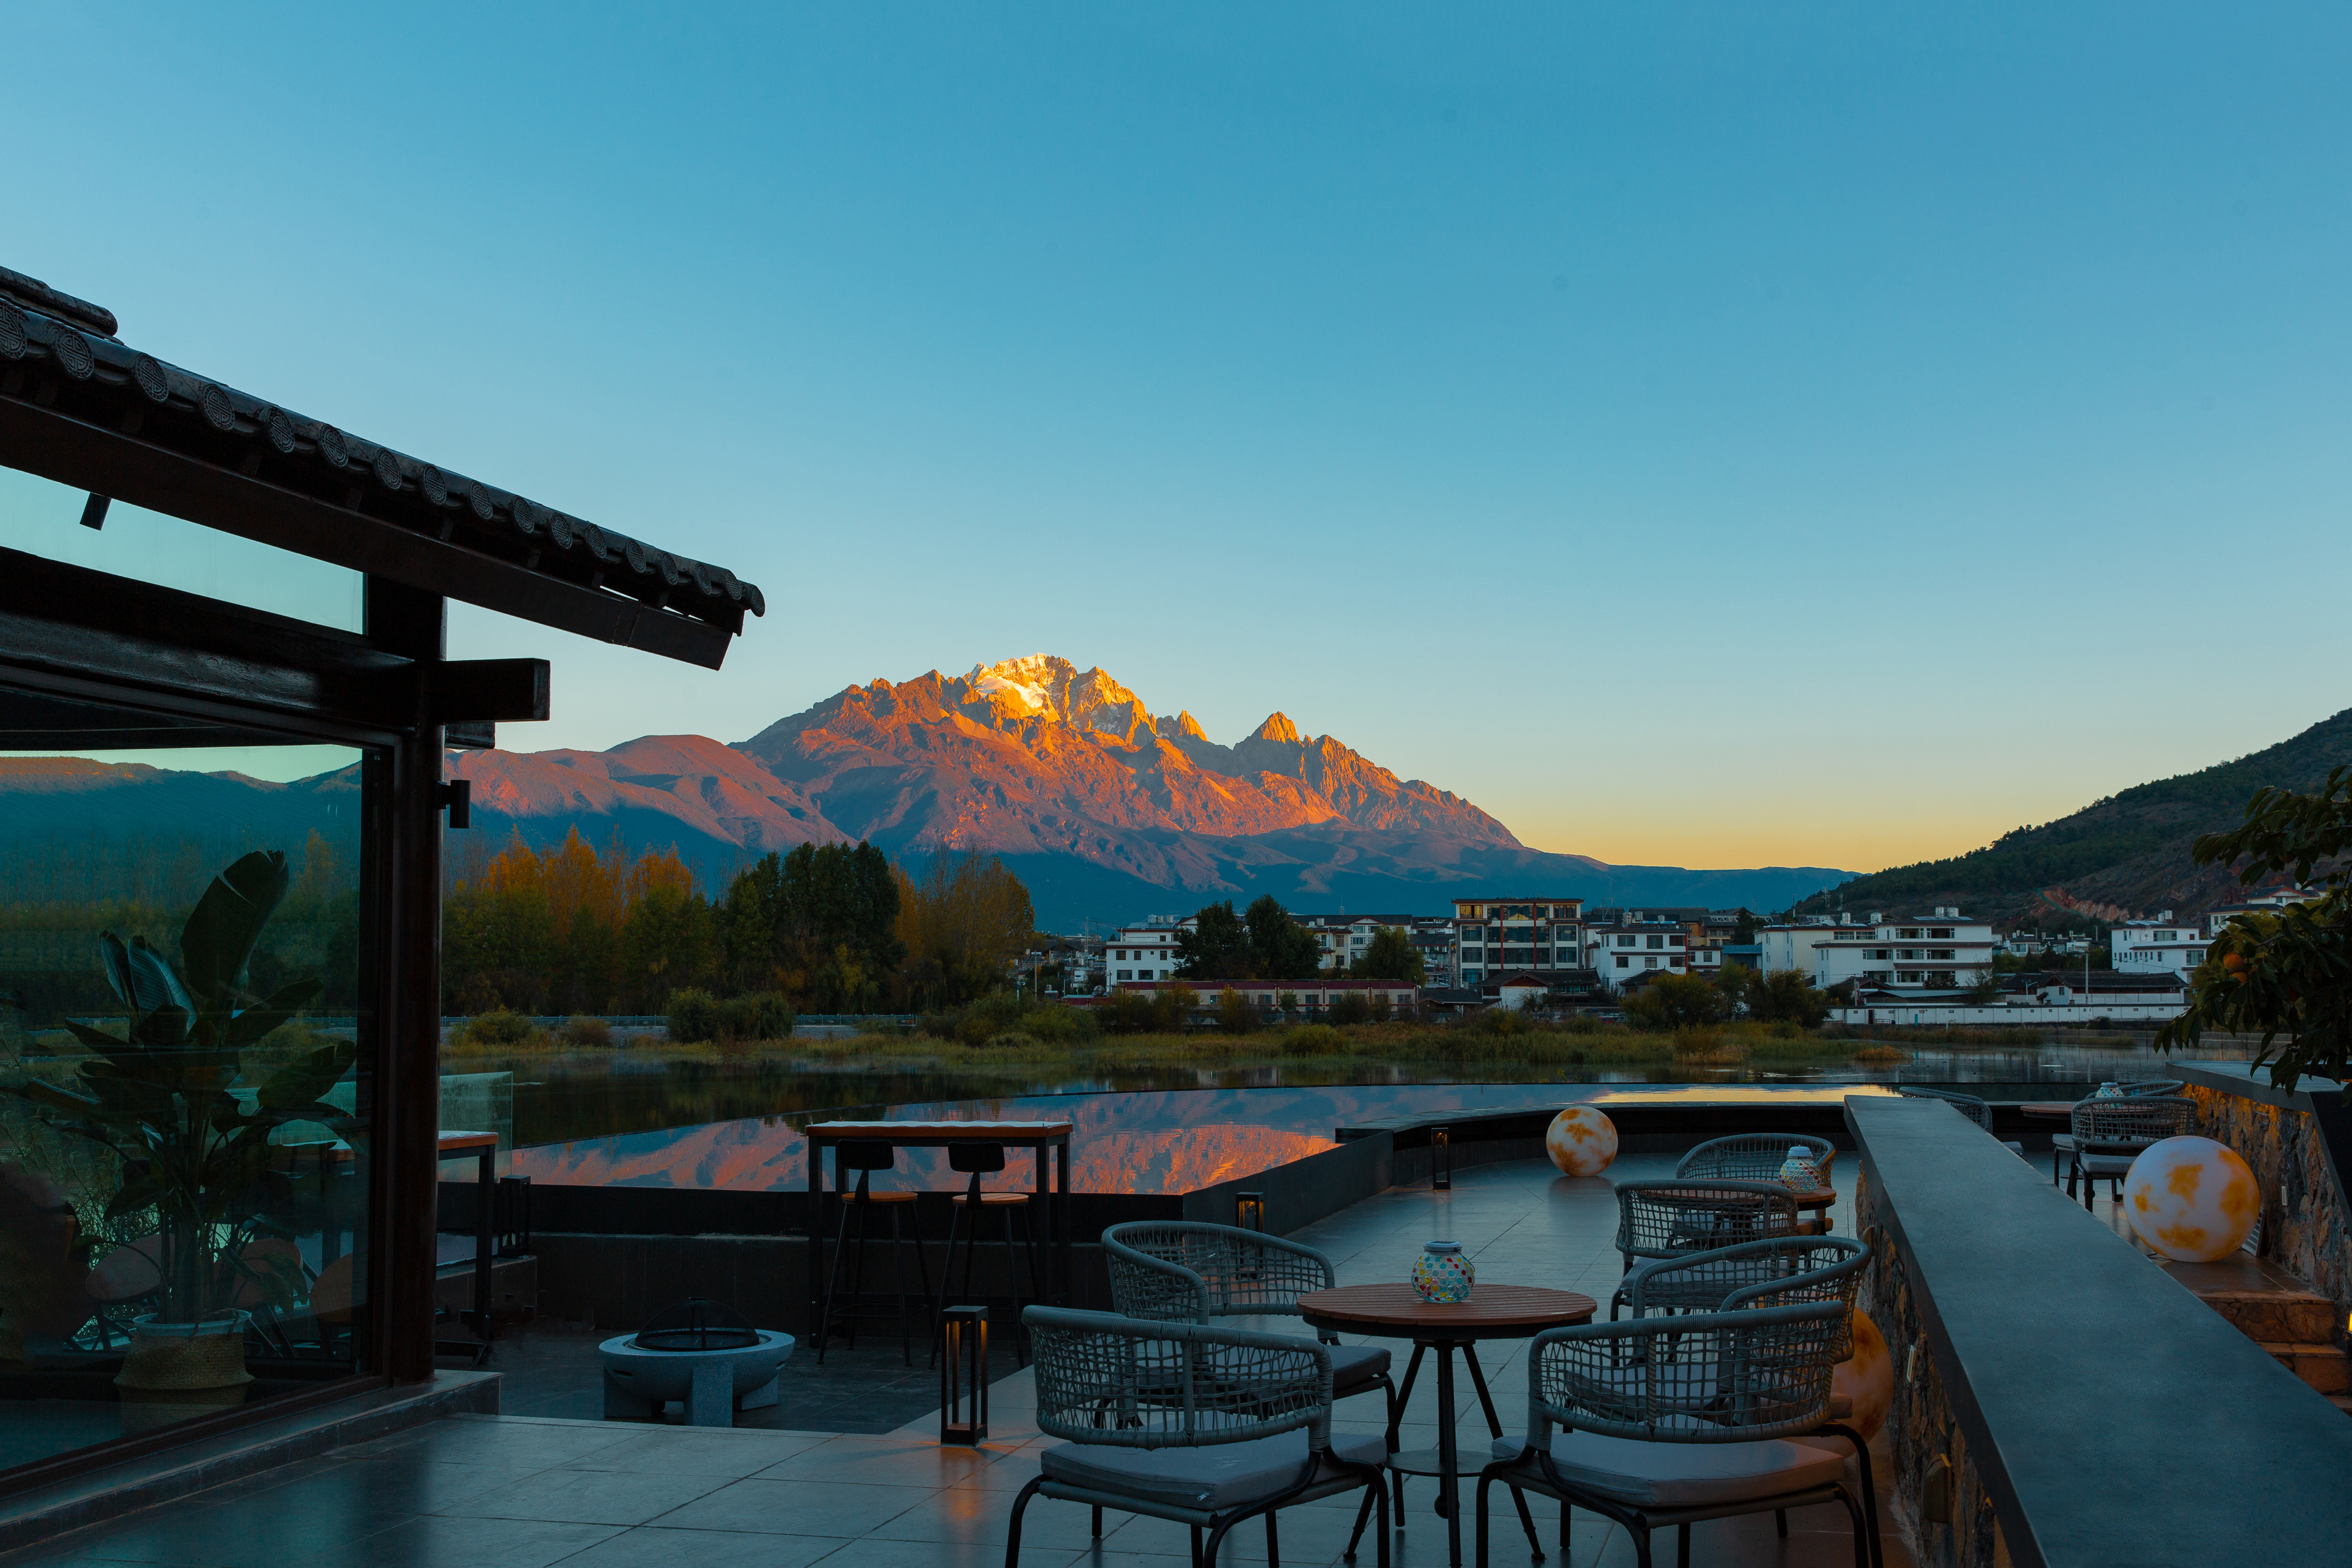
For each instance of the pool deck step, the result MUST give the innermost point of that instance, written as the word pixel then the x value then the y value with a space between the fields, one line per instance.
pixel 2293 1322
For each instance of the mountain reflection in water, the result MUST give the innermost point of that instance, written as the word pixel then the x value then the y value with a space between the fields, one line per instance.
pixel 1154 1142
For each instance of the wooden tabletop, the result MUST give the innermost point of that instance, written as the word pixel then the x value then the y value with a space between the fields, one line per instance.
pixel 1493 1312
pixel 939 1131
pixel 2059 1108
pixel 1818 1198
pixel 467 1143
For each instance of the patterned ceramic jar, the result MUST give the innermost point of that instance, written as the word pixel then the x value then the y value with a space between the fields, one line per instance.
pixel 1442 1273
pixel 1797 1171
pixel 2109 1092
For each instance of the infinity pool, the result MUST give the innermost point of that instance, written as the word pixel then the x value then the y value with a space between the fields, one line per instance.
pixel 1155 1142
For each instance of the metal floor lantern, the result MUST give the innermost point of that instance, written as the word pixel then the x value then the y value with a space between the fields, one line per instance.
pixel 1441 1159
pixel 963 1375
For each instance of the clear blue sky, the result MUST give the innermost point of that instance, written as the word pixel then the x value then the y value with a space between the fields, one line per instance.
pixel 1703 434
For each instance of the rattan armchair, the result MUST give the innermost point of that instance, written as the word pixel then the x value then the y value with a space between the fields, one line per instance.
pixel 1737 1386
pixel 1754 1156
pixel 1247 1432
pixel 1675 1219
pixel 2108 1135
pixel 1191 1271
pixel 1968 1105
pixel 2143 1086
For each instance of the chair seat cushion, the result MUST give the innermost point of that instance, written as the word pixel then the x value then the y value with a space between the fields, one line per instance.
pixel 1684 1475
pixel 1212 1478
pixel 2062 1141
pixel 2105 1164
pixel 1355 1366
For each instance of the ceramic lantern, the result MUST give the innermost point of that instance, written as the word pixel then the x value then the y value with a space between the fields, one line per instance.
pixel 1798 1171
pixel 2191 1198
pixel 1442 1272
pixel 1581 1141
pixel 1866 1377
pixel 2109 1092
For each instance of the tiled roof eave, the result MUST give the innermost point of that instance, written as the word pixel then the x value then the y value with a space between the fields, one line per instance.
pixel 91 413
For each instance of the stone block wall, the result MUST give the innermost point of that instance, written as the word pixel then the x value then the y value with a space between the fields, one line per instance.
pixel 2305 1229
pixel 1919 1427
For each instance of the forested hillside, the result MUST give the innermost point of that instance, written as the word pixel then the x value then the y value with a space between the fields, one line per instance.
pixel 2125 856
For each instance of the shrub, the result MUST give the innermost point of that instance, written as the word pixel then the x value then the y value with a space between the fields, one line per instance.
pixel 587 1032
pixel 693 1015
pixel 1012 1039
pixel 1059 1025
pixel 1582 1023
pixel 1882 1053
pixel 755 1015
pixel 1500 1021
pixel 1130 1012
pixel 1233 1014
pixel 1381 1008
pixel 1172 1004
pixel 501 1026
pixel 1351 1006
pixel 1313 1039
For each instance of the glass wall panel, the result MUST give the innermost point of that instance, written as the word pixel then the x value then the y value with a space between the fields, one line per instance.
pixel 187 1072
pixel 43 517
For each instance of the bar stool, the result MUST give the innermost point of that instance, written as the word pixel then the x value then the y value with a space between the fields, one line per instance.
pixel 867 1155
pixel 970 1206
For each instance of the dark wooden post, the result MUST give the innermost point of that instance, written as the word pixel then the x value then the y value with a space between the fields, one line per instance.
pixel 410 621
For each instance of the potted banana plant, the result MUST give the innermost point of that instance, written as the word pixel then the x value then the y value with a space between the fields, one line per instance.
pixel 161 1097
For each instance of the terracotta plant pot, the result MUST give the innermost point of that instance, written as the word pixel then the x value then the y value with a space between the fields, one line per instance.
pixel 177 1358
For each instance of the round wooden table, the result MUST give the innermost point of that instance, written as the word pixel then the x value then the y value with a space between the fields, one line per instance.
pixel 1397 1312
pixel 1819 1201
pixel 2054 1110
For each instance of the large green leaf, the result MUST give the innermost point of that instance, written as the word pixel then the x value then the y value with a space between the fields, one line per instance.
pixel 142 976
pixel 304 1081
pixel 253 1023
pixel 96 1038
pixel 228 920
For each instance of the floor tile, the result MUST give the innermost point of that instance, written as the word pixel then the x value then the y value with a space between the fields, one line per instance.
pixel 797 1508
pixel 655 1546
pixel 589 1496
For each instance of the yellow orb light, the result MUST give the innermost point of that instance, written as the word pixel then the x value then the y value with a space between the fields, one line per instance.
pixel 2191 1198
pixel 1581 1141
pixel 1866 1377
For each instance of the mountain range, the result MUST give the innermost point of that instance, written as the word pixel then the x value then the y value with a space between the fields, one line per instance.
pixel 1106 812
pixel 2126 856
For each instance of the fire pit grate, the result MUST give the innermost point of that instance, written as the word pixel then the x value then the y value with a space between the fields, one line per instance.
pixel 697 1324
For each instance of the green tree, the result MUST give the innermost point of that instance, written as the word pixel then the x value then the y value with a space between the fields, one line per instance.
pixel 837 917
pixel 1786 995
pixel 1280 948
pixel 665 943
pixel 1675 1001
pixel 1234 1012
pixel 1217 948
pixel 1389 956
pixel 746 920
pixel 1737 982
pixel 2284 975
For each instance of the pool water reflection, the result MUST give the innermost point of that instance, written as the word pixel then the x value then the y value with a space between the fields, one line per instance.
pixel 1167 1141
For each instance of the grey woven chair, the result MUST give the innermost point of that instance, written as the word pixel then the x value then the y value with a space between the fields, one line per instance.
pixel 1675 1219
pixel 1191 1271
pixel 1754 1156
pixel 2139 1086
pixel 2108 1135
pixel 1968 1105
pixel 1783 1271
pixel 1248 1433
pixel 1736 1386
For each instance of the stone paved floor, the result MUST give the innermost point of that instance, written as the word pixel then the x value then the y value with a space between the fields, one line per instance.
pixel 524 1491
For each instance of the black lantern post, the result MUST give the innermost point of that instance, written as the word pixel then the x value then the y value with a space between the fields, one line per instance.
pixel 1249 1211
pixel 963 1367
pixel 1441 1159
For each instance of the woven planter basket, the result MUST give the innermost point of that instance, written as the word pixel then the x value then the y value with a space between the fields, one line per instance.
pixel 170 1356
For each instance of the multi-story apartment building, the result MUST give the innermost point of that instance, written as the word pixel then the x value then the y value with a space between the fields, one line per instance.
pixel 1792 946
pixel 1498 935
pixel 1626 949
pixel 2158 947
pixel 2261 902
pixel 1141 952
pixel 1940 951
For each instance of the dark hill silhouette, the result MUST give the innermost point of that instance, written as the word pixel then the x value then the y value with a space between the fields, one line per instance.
pixel 2126 855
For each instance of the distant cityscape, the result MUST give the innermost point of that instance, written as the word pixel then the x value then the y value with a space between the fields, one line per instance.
pixel 1935 966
